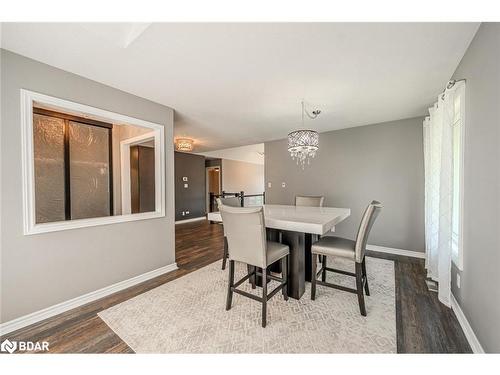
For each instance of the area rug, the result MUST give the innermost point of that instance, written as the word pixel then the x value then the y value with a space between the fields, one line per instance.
pixel 188 315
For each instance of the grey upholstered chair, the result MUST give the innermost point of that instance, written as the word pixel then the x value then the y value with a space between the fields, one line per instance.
pixel 230 201
pixel 349 249
pixel 233 202
pixel 246 236
pixel 309 201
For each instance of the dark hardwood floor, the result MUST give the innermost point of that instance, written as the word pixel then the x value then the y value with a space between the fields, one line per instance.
pixel 423 324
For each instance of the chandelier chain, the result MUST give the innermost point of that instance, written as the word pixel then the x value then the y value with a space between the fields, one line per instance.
pixel 303 144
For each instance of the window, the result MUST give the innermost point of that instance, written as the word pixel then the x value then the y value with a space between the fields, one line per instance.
pixel 78 168
pixel 458 149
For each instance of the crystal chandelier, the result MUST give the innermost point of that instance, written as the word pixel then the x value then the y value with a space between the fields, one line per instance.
pixel 303 144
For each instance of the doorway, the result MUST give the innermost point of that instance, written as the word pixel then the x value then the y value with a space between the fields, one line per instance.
pixel 213 183
pixel 138 175
pixel 142 177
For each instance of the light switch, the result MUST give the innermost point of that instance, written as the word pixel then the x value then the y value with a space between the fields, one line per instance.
pixel 186 186
pixel 283 184
pixel 269 185
pixel 184 178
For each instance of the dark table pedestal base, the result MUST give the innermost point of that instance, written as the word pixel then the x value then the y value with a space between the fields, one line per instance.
pixel 299 260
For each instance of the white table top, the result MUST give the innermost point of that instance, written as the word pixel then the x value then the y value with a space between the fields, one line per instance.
pixel 315 220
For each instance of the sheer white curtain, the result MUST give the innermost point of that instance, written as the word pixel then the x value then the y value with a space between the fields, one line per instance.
pixel 438 159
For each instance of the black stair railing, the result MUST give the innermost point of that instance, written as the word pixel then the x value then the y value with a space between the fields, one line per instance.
pixel 240 195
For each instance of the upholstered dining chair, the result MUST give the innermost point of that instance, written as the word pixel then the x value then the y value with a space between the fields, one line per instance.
pixel 246 236
pixel 309 201
pixel 349 249
pixel 233 202
pixel 230 201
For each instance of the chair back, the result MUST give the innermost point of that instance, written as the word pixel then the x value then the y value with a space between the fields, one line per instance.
pixel 230 201
pixel 246 234
pixel 365 226
pixel 309 201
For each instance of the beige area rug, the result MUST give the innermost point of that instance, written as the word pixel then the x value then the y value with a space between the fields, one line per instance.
pixel 188 315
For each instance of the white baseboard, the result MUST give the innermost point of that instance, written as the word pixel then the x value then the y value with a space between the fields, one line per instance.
pixel 51 311
pixel 466 327
pixel 190 220
pixel 391 250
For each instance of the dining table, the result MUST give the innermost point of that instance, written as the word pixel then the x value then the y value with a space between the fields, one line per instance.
pixel 297 227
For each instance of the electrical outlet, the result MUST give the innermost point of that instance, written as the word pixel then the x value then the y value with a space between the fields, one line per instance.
pixel 187 212
pixel 183 213
pixel 269 184
pixel 458 280
pixel 186 186
pixel 283 184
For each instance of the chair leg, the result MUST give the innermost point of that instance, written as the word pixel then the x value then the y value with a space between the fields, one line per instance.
pixel 363 267
pixel 318 237
pixel 323 274
pixel 226 255
pixel 264 297
pixel 359 288
pixel 284 276
pixel 230 285
pixel 254 277
pixel 313 276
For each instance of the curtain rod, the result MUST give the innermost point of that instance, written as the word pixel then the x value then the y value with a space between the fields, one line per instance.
pixel 450 84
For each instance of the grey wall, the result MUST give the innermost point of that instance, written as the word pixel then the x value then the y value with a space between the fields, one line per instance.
pixel 192 198
pixel 355 166
pixel 241 176
pixel 41 270
pixel 479 295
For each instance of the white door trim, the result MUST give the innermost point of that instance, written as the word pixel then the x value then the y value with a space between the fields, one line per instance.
pixel 207 196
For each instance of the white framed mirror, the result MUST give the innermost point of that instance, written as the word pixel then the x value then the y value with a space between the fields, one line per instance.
pixel 84 166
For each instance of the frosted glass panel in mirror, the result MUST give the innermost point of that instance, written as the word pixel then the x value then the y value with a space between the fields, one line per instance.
pixel 48 142
pixel 89 171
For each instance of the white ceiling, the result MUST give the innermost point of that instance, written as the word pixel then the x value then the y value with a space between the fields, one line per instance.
pixel 250 154
pixel 240 84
